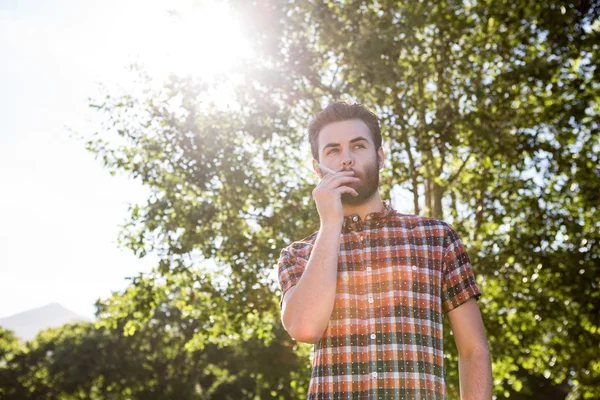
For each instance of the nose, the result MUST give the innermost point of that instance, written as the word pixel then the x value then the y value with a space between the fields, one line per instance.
pixel 347 161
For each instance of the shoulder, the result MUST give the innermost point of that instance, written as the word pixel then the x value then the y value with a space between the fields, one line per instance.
pixel 412 221
pixel 442 232
pixel 300 248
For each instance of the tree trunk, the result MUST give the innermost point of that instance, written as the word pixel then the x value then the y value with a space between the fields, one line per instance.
pixel 437 194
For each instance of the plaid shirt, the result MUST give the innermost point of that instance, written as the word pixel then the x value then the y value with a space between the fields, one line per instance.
pixel 398 274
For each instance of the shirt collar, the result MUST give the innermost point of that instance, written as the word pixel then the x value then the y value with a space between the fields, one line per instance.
pixel 353 222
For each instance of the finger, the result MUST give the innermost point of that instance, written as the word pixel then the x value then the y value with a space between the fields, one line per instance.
pixel 346 189
pixel 340 180
pixel 330 177
pixel 338 170
pixel 341 170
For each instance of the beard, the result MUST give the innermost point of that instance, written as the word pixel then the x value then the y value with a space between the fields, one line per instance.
pixel 366 187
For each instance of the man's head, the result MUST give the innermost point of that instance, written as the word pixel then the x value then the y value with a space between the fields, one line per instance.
pixel 348 135
pixel 342 111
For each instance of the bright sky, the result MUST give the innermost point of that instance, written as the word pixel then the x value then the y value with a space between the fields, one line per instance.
pixel 60 210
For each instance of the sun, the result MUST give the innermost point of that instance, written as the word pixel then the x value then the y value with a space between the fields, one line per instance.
pixel 203 39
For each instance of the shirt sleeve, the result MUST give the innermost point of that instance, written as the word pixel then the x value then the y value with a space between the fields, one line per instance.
pixel 291 267
pixel 459 283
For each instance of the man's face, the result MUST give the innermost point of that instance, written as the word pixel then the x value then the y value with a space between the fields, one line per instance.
pixel 349 144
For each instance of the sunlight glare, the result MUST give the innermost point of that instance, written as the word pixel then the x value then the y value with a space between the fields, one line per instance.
pixel 199 39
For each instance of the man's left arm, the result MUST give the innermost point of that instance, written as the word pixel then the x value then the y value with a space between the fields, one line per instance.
pixel 474 364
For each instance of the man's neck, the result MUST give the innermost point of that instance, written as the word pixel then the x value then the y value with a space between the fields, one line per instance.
pixel 373 205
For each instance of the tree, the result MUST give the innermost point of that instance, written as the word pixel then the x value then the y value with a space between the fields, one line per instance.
pixel 168 355
pixel 474 97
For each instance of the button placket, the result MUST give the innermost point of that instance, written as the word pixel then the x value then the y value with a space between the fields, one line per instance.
pixel 371 299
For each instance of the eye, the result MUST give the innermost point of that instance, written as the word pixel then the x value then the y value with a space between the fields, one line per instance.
pixel 331 151
pixel 362 146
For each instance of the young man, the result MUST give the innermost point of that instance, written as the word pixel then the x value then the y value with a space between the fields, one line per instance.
pixel 370 288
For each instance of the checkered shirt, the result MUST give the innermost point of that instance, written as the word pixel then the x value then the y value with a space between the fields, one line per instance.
pixel 398 274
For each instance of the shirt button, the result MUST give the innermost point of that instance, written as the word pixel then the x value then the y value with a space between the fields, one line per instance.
pixel 370 299
pixel 355 218
pixel 369 270
pixel 374 374
pixel 414 267
pixel 373 336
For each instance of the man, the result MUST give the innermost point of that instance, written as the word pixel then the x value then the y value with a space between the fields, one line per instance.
pixel 371 286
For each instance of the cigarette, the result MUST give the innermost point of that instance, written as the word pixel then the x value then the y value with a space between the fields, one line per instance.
pixel 324 168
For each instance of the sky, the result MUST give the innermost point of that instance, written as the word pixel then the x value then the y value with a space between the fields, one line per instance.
pixel 60 209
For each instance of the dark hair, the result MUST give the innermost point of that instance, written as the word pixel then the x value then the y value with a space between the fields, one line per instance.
pixel 342 111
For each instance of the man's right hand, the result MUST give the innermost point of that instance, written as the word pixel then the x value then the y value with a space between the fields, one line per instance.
pixel 328 195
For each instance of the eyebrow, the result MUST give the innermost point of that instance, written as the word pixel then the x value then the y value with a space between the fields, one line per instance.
pixel 356 139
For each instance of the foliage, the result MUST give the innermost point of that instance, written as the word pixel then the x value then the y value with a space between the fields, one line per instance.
pixel 180 351
pixel 489 112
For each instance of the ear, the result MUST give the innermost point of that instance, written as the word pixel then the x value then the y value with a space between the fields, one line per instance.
pixel 317 169
pixel 380 158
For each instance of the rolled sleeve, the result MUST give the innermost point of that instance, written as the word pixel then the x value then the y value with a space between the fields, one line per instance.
pixel 459 283
pixel 291 266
